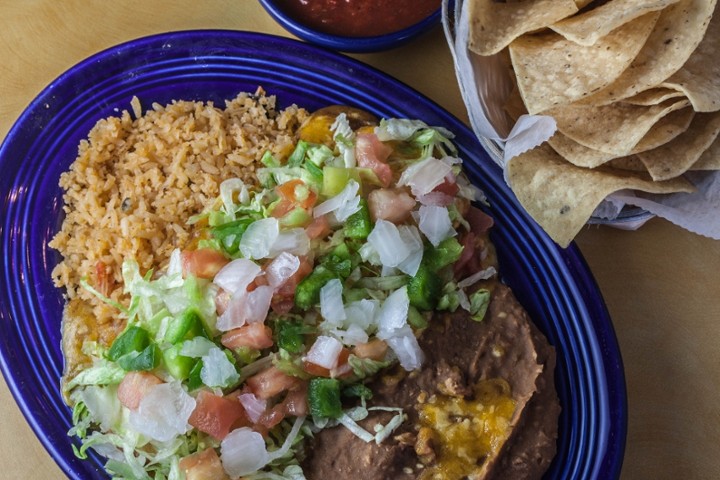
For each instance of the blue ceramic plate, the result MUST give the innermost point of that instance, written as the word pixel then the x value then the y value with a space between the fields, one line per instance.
pixel 554 285
pixel 349 44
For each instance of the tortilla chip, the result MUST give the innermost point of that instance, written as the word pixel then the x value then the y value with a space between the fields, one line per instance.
pixel 653 96
pixel 666 129
pixel 710 158
pixel 494 25
pixel 589 27
pixel 561 197
pixel 699 78
pixel 677 33
pixel 632 163
pixel 551 70
pixel 615 128
pixel 675 158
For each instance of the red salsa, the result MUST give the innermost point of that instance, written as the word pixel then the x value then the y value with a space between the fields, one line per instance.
pixel 359 18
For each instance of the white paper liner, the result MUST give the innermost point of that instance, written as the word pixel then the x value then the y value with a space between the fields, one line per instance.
pixel 484 87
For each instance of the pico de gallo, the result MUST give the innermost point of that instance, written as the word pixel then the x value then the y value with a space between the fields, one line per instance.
pixel 294 293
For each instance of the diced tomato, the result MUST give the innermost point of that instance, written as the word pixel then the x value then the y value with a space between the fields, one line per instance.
pixel 448 187
pixel 271 382
pixel 271 417
pixel 202 263
pixel 297 192
pixel 205 465
pixel 315 370
pixel 134 386
pixel 372 153
pixel 222 300
pixel 284 299
pixel 104 282
pixel 295 403
pixel 480 222
pixel 216 415
pixel 471 259
pixel 253 335
pixel 282 305
pixel 282 208
pixel 258 281
pixel 319 228
pixel 375 349
pixel 391 204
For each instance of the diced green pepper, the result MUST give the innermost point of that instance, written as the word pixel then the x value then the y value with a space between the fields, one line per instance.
pixel 194 381
pixel 358 225
pixel 307 292
pixel 424 288
pixel 324 398
pixel 185 327
pixel 339 261
pixel 447 253
pixel 290 335
pixel 145 360
pixel 134 339
pixel 357 390
pixel 246 355
pixel 229 234
pixel 179 366
pixel 335 179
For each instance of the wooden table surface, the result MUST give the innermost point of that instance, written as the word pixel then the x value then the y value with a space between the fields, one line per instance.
pixel 661 283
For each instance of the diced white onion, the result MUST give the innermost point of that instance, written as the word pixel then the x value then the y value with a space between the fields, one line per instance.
pixel 343 204
pixel 259 238
pixel 281 269
pixel 405 346
pixel 397 246
pixel 353 335
pixel 324 352
pixel 476 277
pixel 243 452
pixel 197 347
pixel 235 277
pixel 439 199
pixel 294 241
pixel 217 370
pixel 331 302
pixel 163 412
pixel 411 238
pixel 254 406
pixel 249 307
pixel 422 177
pixel 258 304
pixel 394 313
pixel 362 313
pixel 434 222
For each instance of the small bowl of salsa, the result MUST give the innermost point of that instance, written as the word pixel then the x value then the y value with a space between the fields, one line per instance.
pixel 355 26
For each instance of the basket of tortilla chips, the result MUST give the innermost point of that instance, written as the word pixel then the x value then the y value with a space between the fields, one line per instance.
pixel 596 104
